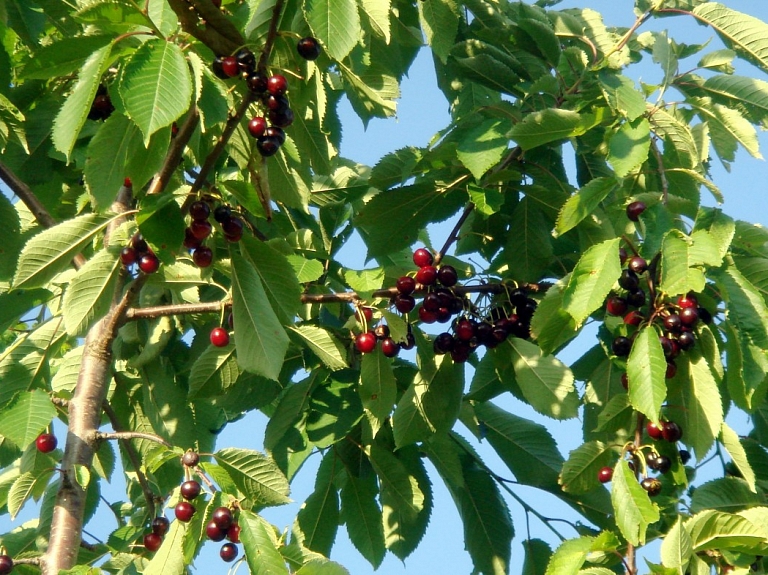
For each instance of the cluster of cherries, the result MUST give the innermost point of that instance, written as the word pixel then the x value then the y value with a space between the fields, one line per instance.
pixel 667 431
pixel 222 524
pixel 677 319
pixel 200 228
pixel 271 91
pixel 141 254
pixel 470 328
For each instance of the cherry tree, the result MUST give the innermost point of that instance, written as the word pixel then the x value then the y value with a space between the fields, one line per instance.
pixel 177 206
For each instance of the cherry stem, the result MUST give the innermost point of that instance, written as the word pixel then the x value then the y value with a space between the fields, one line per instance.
pixel 133 456
pixel 208 483
pixel 131 435
pixel 454 235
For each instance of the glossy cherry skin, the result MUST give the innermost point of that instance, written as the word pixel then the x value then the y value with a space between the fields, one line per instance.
pixel 228 552
pixel 426 275
pixel 257 126
pixel 190 489
pixel 605 474
pixel 447 276
pixel 46 442
pixel 215 533
pixel 149 264
pixel 6 564
pixel 233 533
pixel 152 541
pixel 184 511
pixel 634 210
pixel 654 431
pixel 128 256
pixel 219 337
pixel 203 257
pixel 222 517
pixel 230 67
pixel 277 85
pixel 405 285
pixel 389 347
pixel 199 211
pixel 365 342
pixel 404 303
pixel 616 305
pixel 308 48
pixel 423 257
pixel 160 525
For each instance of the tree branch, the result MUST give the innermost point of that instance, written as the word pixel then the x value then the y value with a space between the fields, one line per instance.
pixel 175 151
pixel 454 235
pixel 29 199
pixel 211 37
pixel 125 435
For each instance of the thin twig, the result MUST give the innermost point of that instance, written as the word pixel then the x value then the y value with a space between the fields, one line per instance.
pixel 662 172
pixel 175 151
pixel 271 36
pixel 131 435
pixel 133 456
pixel 454 235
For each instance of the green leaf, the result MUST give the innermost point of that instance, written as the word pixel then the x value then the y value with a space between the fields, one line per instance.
pixel 677 548
pixel 378 12
pixel 318 518
pixel 676 133
pixel 569 557
pixel 260 340
pixel 16 303
pixel 292 404
pixel 730 440
pixel 622 95
pixel 336 23
pixel 430 404
pixel 747 368
pixel 378 389
pixel 646 369
pixel 90 292
pixel 261 551
pixel 487 65
pixel 750 91
pixel 628 147
pixel 26 485
pixel 537 556
pixel 255 474
pixel 82 475
pixel 583 203
pixel 318 567
pixel 169 559
pixel 528 252
pixel 156 86
pixel 63 57
pixel 372 92
pixel 440 22
pixel 362 516
pixel 108 151
pixel 51 251
pixel 747 35
pixel 392 219
pixel 163 16
pixel 592 279
pixel 712 529
pixel 277 277
pixel 727 127
pixel 527 448
pixel 214 371
pixel 27 417
pixel 546 126
pixel 403 492
pixel 545 381
pixel 745 307
pixel 552 326
pixel 72 116
pixel 579 473
pixel 323 344
pixel 631 504
pixel 162 224
pixel 483 146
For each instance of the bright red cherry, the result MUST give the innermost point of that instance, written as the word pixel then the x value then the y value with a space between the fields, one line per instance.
pixel 190 489
pixel 184 511
pixel 633 318
pixel 654 431
pixel 423 257
pixel 257 126
pixel 152 541
pixel 427 316
pixel 365 342
pixel 367 313
pixel 219 337
pixel 233 229
pixel 214 533
pixel 688 300
pixel 389 347
pixel 149 264
pixel 230 67
pixel 465 329
pixel 127 183
pixel 605 474
pixel 228 552
pixel 222 517
pixel 46 442
pixel 201 229
pixel 277 85
pixel 426 275
pixel 160 525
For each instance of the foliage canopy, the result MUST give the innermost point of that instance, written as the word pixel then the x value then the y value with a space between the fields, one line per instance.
pixel 113 123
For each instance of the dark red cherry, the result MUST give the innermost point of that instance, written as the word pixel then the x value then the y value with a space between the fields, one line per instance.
pixel 426 275
pixel 149 264
pixel 654 431
pixel 152 542
pixel 637 264
pixel 405 285
pixel 281 118
pixel 389 347
pixel 233 229
pixel 203 257
pixel 214 533
pixel 404 303
pixel 447 276
pixel 689 316
pixel 277 84
pixel 201 229
pixel 222 213
pixel 616 305
pixel 218 68
pixel 257 83
pixel 443 343
pixel 621 346
pixel 246 60
pixel 233 533
pixel 275 132
pixel 465 330
pixel 634 210
pixel 228 552
pixel 628 280
pixel 128 256
pixel 686 340
pixel 184 511
pixel 308 48
pixel 267 146
pixel 257 126
pixel 199 210
pixel 672 323
pixel 633 318
pixel 427 316
pixel 651 485
pixel 190 458
pixel 229 66
pixel 222 517
pixel 190 489
pixel 160 525
pixel 671 431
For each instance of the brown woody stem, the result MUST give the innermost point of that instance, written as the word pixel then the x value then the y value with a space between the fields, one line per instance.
pixel 125 435
pixel 175 151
